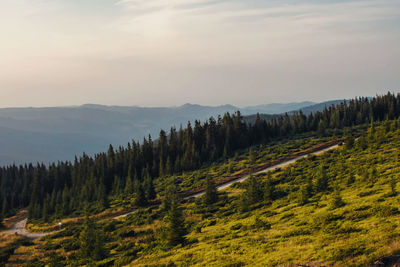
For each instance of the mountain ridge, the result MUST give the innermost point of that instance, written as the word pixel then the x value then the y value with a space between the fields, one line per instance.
pixel 59 133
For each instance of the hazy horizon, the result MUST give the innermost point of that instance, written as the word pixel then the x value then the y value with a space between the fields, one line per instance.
pixel 209 52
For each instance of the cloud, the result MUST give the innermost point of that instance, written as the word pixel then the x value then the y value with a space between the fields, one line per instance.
pixel 189 49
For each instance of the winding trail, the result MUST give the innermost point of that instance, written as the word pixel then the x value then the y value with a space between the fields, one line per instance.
pixel 271 168
pixel 19 227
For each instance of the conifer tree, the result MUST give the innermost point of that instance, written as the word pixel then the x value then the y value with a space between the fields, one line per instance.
pixel 254 191
pixel 210 195
pixel 269 189
pixel 171 195
pixel 103 198
pixel 303 196
pixel 349 142
pixel 309 187
pixel 176 225
pixel 128 186
pixel 337 200
pixel 140 196
pixel 321 128
pixel 91 242
pixel 252 159
pixel 322 180
pixel 150 192
pixel 243 203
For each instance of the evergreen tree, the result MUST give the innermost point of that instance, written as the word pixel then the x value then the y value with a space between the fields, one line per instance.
pixel 337 200
pixel 252 159
pixel 211 195
pixel 309 187
pixel 176 225
pixel 321 128
pixel 349 142
pixel 243 203
pixel 373 175
pixel 103 198
pixel 87 239
pixel 140 196
pixel 254 191
pixel 128 186
pixel 322 180
pixel 303 196
pixel 4 209
pixel 269 189
pixel 91 242
pixel 171 195
pixel 150 192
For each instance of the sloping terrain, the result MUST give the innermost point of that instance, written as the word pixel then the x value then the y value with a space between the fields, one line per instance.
pixel 339 208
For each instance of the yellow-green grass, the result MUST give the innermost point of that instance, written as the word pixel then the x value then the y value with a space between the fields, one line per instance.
pixel 316 233
pixel 365 228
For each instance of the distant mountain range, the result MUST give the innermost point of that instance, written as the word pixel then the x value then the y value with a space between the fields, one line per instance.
pixel 60 133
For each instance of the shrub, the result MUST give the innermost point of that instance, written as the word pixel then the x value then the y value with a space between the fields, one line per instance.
pixel 236 226
pixel 261 224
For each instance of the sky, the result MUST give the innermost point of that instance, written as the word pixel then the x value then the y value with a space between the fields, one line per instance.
pixel 211 52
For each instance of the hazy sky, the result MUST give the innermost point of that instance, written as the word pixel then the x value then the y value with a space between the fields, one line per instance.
pixel 169 52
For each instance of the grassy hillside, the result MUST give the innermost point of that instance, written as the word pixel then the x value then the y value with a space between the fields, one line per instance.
pixel 354 221
pixel 339 208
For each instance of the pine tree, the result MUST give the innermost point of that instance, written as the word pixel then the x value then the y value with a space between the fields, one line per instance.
pixel 103 198
pixel 303 196
pixel 230 167
pixel 269 189
pixel 150 192
pixel 252 159
pixel 128 186
pixel 349 144
pixel 322 180
pixel 45 211
pixel 140 197
pixel 243 203
pixel 337 200
pixel 65 201
pixel 91 242
pixel 254 191
pixel 211 195
pixel 4 209
pixel 321 128
pixel 309 187
pixel 373 175
pixel 176 225
pixel 171 195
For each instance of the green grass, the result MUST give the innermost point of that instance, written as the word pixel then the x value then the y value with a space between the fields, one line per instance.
pixel 360 227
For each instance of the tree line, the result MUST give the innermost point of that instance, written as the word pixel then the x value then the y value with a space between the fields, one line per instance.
pixel 65 188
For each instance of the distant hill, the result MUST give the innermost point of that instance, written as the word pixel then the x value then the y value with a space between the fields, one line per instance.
pixel 276 108
pixel 319 106
pixel 60 133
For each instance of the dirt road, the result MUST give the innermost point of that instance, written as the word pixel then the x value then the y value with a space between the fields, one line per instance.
pixel 19 229
pixel 271 168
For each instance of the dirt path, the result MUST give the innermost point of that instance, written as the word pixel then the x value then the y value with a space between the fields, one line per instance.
pixel 19 227
pixel 271 168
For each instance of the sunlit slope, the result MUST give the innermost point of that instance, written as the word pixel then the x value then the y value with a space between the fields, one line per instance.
pixel 351 222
